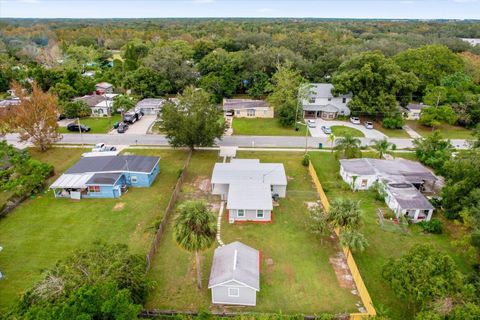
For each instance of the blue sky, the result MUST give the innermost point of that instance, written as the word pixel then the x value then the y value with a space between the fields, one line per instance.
pixel 392 9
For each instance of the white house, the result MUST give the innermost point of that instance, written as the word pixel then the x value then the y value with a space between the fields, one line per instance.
pixel 402 180
pixel 413 110
pixel 150 106
pixel 248 108
pixel 248 187
pixel 235 275
pixel 103 87
pixel 100 104
pixel 472 41
pixel 319 102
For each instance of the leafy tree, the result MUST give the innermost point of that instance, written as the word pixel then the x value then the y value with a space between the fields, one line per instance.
pixel 35 117
pixel 395 122
pixel 63 91
pixel 429 63
pixel 195 230
pixel 76 109
pixel 353 240
pixel 348 147
pixel 201 48
pixel 318 222
pixel 123 102
pixel 435 116
pixel 194 121
pixel 345 214
pixel 284 90
pixel 433 151
pixel 374 81
pixel 439 276
pixel 384 147
pixel 133 52
pixel 147 83
pixel 258 84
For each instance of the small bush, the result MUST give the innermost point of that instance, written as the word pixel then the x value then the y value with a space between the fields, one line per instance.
pixel 432 226
pixel 389 214
pixel 451 215
pixel 393 123
pixel 306 160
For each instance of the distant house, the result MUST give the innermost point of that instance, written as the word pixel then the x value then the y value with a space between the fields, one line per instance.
pixel 402 180
pixel 248 187
pixel 89 74
pixel 321 103
pixel 413 110
pixel 235 275
pixel 103 87
pixel 472 41
pixel 248 108
pixel 6 103
pixel 150 106
pixel 106 176
pixel 101 105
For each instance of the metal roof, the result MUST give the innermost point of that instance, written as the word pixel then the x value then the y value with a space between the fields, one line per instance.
pixel 229 104
pixel 416 106
pixel 249 170
pixel 235 262
pixel 73 181
pixel 114 164
pixel 408 197
pixel 104 178
pixel 150 103
pixel 249 196
pixel 103 85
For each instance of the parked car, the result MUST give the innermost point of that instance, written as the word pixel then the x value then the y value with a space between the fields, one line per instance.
pixel 326 129
pixel 368 124
pixel 355 120
pixel 122 127
pixel 99 147
pixel 75 128
pixel 311 123
pixel 132 116
pixel 229 113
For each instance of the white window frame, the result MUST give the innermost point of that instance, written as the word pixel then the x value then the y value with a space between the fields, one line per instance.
pixel 250 112
pixel 133 179
pixel 262 214
pixel 237 112
pixel 240 215
pixel 231 294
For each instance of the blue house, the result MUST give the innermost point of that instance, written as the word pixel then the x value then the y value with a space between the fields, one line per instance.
pixel 106 176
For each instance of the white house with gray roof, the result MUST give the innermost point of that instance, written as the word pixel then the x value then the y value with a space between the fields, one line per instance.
pixel 150 106
pixel 318 101
pixel 402 180
pixel 248 186
pixel 235 275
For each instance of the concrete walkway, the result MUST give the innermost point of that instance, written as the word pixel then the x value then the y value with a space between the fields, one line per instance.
pixel 219 224
pixel 368 133
pixel 412 133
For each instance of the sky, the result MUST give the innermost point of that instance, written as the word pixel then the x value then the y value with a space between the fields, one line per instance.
pixel 386 9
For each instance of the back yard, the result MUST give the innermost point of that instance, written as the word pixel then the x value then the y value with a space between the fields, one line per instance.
pixel 264 127
pixel 383 244
pixel 296 276
pixel 44 229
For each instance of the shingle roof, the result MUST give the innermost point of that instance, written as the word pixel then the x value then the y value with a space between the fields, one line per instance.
pixel 91 100
pixel 249 196
pixel 150 103
pixel 416 106
pixel 229 104
pixel 235 262
pixel 323 90
pixel 408 197
pixel 104 178
pixel 249 170
pixel 114 164
pixel 325 108
pixel 104 85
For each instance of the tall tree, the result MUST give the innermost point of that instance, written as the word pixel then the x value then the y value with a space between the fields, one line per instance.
pixel 345 214
pixel 433 151
pixel 284 90
pixel 375 81
pixel 192 122
pixel 353 240
pixel 36 116
pixel 348 147
pixel 195 230
pixel 435 116
pixel 384 147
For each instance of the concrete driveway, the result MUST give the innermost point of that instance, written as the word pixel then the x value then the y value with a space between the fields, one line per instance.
pixel 139 127
pixel 369 133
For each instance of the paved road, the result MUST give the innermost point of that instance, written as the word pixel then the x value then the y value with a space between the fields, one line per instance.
pixel 240 141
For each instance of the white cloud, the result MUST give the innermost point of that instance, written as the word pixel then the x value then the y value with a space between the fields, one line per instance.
pixel 29 1
pixel 263 10
pixel 203 1
pixel 465 1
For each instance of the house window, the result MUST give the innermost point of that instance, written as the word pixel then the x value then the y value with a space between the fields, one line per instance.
pixel 233 292
pixel 251 112
pixel 364 182
pixel 260 214
pixel 240 213
pixel 94 189
pixel 133 179
pixel 237 112
pixel 344 100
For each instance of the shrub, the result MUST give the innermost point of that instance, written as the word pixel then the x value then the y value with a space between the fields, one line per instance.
pixel 432 226
pixel 306 160
pixel 76 109
pixel 393 123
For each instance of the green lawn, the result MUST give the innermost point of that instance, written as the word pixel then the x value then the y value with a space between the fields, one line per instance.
pixel 264 127
pixel 96 124
pixel 44 229
pixel 383 244
pixel 447 131
pixel 391 133
pixel 299 278
pixel 342 131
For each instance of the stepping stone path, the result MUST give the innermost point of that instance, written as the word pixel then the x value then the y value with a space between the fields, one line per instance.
pixel 219 224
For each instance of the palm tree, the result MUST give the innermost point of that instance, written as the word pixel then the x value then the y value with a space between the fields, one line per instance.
pixel 345 214
pixel 348 146
pixel 384 147
pixel 331 139
pixel 195 230
pixel 353 240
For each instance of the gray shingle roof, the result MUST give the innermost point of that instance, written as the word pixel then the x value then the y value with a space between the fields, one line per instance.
pixel 323 90
pixel 249 196
pixel 416 106
pixel 150 103
pixel 232 104
pixel 235 261
pixel 104 178
pixel 91 100
pixel 325 108
pixel 249 170
pixel 408 197
pixel 114 164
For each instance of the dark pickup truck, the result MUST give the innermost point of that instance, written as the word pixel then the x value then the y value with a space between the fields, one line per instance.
pixel 132 116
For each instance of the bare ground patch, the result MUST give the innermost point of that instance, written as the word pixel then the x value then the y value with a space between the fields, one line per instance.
pixel 344 277
pixel 119 206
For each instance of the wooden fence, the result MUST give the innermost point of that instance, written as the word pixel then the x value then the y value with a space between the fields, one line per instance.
pixel 362 289
pixel 168 212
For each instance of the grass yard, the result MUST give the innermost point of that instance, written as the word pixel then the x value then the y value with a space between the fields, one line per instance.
pixel 383 244
pixel 391 133
pixel 264 127
pixel 96 124
pixel 299 277
pixel 44 229
pixel 447 131
pixel 342 131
